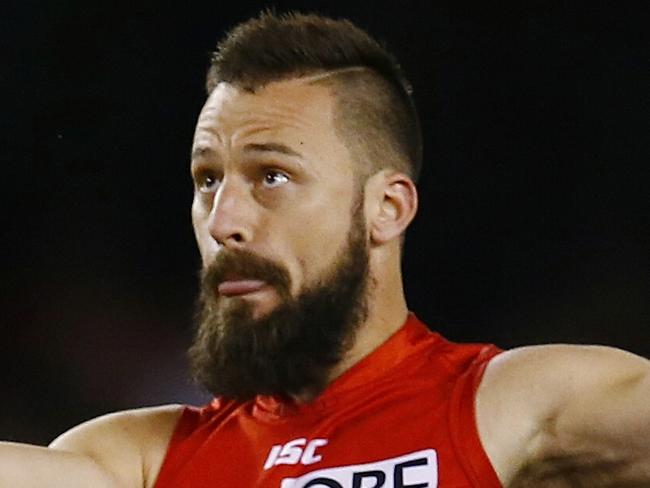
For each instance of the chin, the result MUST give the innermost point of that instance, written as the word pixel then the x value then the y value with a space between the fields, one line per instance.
pixel 261 309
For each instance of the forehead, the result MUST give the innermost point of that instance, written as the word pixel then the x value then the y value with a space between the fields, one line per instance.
pixel 294 113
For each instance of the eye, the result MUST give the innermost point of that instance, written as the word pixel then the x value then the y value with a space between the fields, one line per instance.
pixel 207 183
pixel 275 178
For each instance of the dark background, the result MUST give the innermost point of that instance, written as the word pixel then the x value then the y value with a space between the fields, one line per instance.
pixel 534 200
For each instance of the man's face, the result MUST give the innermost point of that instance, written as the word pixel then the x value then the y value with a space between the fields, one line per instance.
pixel 273 179
pixel 281 229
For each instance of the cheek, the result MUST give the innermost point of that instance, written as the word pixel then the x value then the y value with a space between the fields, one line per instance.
pixel 316 245
pixel 202 234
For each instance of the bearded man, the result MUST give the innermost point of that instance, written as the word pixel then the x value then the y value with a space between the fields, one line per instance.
pixel 304 164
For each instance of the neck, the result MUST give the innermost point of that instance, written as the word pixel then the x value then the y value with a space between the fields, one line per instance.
pixel 387 312
pixel 370 335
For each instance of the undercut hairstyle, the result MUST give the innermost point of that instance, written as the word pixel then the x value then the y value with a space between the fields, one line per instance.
pixel 375 116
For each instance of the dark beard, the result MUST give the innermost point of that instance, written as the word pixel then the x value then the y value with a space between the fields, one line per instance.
pixel 292 350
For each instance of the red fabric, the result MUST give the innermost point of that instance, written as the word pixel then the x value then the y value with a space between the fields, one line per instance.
pixel 413 394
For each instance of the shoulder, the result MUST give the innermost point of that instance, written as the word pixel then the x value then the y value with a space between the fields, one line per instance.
pixel 132 443
pixel 549 375
pixel 525 389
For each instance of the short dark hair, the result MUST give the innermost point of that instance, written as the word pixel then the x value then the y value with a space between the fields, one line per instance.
pixel 375 115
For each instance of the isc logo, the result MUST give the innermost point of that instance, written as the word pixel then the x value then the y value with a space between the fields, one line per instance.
pixel 416 470
pixel 297 450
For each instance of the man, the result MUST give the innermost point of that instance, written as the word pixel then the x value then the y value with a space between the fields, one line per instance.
pixel 304 161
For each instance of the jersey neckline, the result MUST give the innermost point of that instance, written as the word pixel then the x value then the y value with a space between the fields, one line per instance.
pixel 384 359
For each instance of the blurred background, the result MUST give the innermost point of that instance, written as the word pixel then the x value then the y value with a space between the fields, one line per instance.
pixel 533 225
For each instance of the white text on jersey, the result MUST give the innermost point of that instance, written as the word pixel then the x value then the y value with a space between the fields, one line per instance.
pixel 295 451
pixel 415 470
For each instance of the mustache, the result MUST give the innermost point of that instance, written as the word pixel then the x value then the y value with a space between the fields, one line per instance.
pixel 243 264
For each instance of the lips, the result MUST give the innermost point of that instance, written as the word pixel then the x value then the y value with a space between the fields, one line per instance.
pixel 235 287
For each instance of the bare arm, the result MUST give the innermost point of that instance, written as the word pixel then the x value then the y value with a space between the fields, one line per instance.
pixel 27 466
pixel 576 415
pixel 122 450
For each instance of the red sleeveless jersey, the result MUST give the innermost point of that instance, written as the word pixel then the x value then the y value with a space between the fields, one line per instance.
pixel 403 417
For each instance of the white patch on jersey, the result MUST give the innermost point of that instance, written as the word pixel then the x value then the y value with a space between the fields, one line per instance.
pixel 415 470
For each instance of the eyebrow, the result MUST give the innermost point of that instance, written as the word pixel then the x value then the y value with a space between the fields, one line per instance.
pixel 201 151
pixel 204 151
pixel 271 147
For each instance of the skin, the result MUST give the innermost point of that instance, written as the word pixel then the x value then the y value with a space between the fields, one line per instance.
pixel 246 199
pixel 554 416
pixel 567 416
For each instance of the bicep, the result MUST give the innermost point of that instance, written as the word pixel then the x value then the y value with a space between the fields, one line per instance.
pixel 120 450
pixel 104 442
pixel 34 467
pixel 608 408
pixel 561 405
pixel 130 445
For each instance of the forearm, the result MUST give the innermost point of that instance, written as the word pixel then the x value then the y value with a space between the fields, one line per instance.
pixel 26 466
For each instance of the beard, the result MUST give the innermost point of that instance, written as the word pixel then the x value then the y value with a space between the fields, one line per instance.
pixel 291 350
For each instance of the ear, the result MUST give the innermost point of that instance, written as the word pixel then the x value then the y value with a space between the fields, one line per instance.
pixel 393 206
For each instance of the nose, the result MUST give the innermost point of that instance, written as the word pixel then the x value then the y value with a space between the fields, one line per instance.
pixel 230 221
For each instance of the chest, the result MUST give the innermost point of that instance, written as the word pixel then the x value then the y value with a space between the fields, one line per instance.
pixel 382 439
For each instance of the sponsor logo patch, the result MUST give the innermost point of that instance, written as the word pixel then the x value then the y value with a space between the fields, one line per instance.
pixel 415 470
